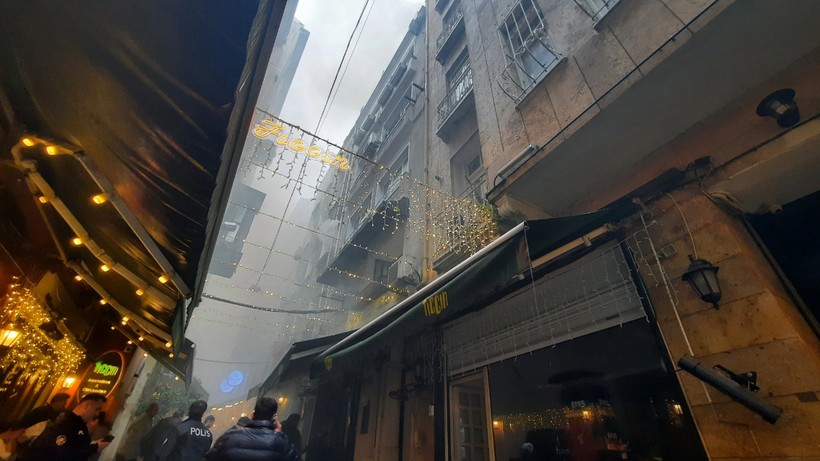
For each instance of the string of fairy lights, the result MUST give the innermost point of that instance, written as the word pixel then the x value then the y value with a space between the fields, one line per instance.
pixel 351 191
pixel 34 349
pixel 461 224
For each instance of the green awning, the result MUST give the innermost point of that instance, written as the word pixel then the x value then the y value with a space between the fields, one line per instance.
pixel 464 288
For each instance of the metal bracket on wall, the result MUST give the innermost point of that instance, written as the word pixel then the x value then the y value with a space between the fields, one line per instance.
pixel 747 380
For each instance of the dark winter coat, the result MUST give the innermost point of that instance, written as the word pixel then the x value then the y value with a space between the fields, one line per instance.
pixel 258 441
pixel 193 441
pixel 159 441
pixel 67 440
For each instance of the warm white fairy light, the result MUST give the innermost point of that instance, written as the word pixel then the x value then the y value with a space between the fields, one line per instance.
pixel 35 350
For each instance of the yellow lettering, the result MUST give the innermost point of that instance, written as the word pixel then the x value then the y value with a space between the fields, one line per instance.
pixel 435 305
pixel 297 145
pixel 266 128
pixel 314 152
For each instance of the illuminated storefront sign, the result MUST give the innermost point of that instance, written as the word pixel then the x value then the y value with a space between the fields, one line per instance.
pixel 268 128
pixel 103 375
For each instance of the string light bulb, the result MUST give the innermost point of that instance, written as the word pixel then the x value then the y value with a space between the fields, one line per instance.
pixel 52 150
pixel 103 302
pixel 163 278
pixel 42 199
pixel 169 344
pixel 105 268
pixel 99 199
pixel 78 278
pixel 76 241
pixel 28 142
pixel 140 292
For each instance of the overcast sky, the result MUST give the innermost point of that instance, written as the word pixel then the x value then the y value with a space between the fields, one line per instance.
pixel 330 23
pixel 231 338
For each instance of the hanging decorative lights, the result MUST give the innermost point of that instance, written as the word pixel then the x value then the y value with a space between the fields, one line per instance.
pixel 35 349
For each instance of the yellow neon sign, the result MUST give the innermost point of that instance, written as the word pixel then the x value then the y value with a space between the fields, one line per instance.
pixel 268 128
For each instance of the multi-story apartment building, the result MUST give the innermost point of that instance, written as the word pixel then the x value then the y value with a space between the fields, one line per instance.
pixel 628 135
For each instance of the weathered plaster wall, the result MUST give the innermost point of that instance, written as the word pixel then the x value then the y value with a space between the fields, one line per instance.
pixel 757 328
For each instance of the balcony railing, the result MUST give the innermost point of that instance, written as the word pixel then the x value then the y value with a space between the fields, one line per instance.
pixel 460 89
pixel 450 23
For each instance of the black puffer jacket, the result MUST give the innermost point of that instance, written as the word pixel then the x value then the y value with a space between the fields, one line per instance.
pixel 258 441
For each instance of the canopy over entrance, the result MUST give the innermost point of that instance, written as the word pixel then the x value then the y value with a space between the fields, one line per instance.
pixel 126 121
pixel 495 269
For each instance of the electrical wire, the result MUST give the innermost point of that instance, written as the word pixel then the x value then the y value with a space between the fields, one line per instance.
pixel 349 60
pixel 341 63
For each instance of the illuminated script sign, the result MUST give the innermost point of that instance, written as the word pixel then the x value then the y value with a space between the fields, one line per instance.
pixel 270 129
pixel 103 375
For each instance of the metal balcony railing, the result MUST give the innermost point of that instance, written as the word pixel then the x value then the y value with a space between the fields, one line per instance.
pixel 450 24
pixel 460 89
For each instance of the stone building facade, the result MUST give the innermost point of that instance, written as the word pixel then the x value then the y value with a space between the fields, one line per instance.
pixel 579 104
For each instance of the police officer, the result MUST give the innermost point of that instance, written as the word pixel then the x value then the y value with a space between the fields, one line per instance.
pixel 69 439
pixel 193 438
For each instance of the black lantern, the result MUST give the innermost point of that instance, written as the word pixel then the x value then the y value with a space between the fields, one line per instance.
pixel 780 106
pixel 702 275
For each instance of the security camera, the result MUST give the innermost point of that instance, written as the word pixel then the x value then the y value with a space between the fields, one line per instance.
pixel 733 389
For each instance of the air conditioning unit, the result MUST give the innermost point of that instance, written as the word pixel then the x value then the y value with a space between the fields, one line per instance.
pixel 372 144
pixel 368 122
pixel 402 272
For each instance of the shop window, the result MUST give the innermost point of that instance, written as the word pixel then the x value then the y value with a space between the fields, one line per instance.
pixel 604 396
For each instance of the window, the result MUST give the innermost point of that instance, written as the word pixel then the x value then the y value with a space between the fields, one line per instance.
pixel 525 41
pixel 467 171
pixel 381 271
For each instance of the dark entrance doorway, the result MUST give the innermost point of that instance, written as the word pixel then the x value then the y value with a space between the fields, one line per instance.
pixel 792 236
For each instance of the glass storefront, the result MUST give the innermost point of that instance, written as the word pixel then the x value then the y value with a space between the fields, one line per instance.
pixel 603 396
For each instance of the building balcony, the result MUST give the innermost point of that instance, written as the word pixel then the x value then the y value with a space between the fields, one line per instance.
pixel 456 102
pixel 453 28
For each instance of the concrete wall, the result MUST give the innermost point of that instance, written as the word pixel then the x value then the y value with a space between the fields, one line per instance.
pixel 757 328
pixel 597 59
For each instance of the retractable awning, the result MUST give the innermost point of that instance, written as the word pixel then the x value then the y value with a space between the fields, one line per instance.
pixel 300 353
pixel 144 106
pixel 494 269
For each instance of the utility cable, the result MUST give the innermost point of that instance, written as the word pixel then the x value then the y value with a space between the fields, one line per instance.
pixel 341 63
pixel 349 60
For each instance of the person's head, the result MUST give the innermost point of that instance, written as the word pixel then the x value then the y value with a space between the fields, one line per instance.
pixel 197 409
pixel 152 410
pixel 527 447
pixel 89 406
pixel 178 415
pixel 265 409
pixel 59 401
pixel 243 421
pixel 99 420
pixel 209 421
pixel 294 418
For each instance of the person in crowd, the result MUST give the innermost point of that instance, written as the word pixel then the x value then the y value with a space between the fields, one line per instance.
pixel 528 452
pixel 259 440
pixel 48 412
pixel 98 429
pixel 156 445
pixel 241 423
pixel 193 437
pixel 290 427
pixel 320 448
pixel 129 449
pixel 69 438
pixel 209 421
